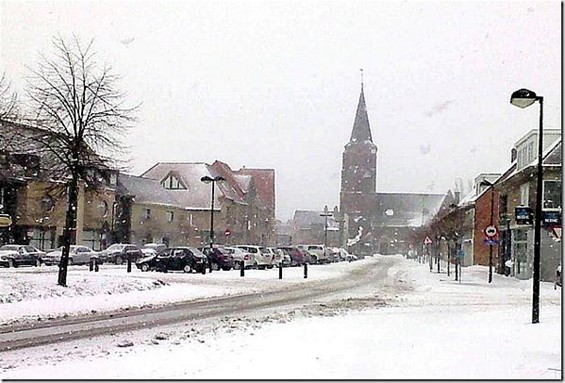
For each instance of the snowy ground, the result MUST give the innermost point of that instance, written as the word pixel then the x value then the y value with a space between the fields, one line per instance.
pixel 433 328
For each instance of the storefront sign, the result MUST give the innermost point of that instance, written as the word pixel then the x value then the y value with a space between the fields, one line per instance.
pixel 524 215
pixel 551 217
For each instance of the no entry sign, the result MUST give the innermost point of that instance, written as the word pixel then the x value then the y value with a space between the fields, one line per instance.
pixel 491 231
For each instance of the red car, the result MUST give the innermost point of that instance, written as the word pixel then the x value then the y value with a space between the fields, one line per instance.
pixel 297 257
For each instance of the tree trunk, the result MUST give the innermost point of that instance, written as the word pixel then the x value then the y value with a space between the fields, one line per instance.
pixel 69 229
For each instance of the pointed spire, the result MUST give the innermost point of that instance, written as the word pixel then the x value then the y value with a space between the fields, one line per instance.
pixel 361 129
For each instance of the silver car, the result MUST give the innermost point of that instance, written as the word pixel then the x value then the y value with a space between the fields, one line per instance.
pixel 78 255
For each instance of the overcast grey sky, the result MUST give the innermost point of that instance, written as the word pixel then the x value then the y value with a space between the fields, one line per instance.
pixel 276 84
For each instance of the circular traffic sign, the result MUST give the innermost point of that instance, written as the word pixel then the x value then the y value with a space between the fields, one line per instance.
pixel 491 231
pixel 227 233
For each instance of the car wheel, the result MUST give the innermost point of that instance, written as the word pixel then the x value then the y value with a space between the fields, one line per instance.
pixel 314 260
pixel 237 265
pixel 119 260
pixel 37 262
pixel 145 267
pixel 187 269
pixel 11 263
pixel 71 262
pixel 215 266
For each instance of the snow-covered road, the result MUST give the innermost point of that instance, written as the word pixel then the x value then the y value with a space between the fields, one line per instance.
pixel 415 325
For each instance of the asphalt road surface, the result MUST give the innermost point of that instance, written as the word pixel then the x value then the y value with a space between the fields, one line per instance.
pixel 25 335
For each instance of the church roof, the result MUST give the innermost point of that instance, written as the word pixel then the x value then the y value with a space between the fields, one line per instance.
pixel 406 209
pixel 361 130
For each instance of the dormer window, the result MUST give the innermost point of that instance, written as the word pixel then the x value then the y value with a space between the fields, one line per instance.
pixel 172 182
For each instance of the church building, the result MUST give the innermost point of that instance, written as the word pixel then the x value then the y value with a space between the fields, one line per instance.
pixel 377 222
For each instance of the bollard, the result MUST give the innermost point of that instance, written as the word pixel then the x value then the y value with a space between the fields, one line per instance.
pixel 305 270
pixel 91 265
pixel 242 269
pixel 95 265
pixel 210 267
pixel 129 265
pixel 280 270
pixel 204 269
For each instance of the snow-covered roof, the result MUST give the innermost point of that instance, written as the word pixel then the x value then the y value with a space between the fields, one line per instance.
pixel 197 195
pixel 145 190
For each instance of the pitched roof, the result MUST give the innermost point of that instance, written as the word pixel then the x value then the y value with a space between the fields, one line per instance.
pixel 361 130
pixel 145 190
pixel 197 195
pixel 264 181
pixel 305 219
pixel 230 188
pixel 406 209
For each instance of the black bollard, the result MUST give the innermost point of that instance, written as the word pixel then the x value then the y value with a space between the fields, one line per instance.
pixel 95 265
pixel 242 269
pixel 204 269
pixel 210 267
pixel 91 265
pixel 280 270
pixel 129 265
pixel 305 270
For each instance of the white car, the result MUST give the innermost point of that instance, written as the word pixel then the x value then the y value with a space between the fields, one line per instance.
pixel 316 252
pixel 239 255
pixel 262 257
pixel 78 255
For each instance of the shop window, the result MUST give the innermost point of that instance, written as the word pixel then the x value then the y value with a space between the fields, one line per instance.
pixel 552 194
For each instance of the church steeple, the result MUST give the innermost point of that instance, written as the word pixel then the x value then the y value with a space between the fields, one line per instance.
pixel 361 130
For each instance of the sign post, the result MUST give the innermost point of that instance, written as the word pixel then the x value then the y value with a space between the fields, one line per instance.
pixel 427 242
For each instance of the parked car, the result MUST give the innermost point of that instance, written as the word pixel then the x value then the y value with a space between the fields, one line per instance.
pixel 78 255
pixel 157 247
pixel 218 257
pixel 297 257
pixel 239 255
pixel 262 258
pixel 315 253
pixel 183 258
pixel 350 257
pixel 119 253
pixel 281 257
pixel 18 255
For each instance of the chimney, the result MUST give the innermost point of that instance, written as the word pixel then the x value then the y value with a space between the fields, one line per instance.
pixel 513 155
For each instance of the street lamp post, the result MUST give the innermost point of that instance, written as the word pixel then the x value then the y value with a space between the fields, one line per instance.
pixel 207 179
pixel 491 186
pixel 523 98
pixel 326 214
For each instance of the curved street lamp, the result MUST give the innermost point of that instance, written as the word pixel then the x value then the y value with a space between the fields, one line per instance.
pixel 523 98
pixel 207 180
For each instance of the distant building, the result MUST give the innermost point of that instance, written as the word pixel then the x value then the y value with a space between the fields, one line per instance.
pixel 377 222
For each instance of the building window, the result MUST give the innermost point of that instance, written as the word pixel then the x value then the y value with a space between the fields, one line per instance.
pixel 552 194
pixel 172 182
pixel 170 216
pixel 103 208
pixel 147 213
pixel 525 194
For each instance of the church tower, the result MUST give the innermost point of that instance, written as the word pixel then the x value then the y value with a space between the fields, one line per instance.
pixel 359 167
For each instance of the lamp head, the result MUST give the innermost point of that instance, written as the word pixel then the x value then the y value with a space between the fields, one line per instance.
pixel 486 183
pixel 206 179
pixel 523 98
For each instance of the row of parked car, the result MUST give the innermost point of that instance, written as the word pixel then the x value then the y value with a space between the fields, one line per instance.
pixel 186 258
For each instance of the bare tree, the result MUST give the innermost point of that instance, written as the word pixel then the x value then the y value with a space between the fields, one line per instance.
pixel 77 102
pixel 8 100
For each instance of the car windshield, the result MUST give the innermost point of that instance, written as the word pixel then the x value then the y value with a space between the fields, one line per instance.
pixel 116 246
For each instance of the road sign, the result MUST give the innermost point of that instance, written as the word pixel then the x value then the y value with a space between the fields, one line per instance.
pixel 427 241
pixel 5 220
pixel 491 231
pixel 227 233
pixel 490 241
